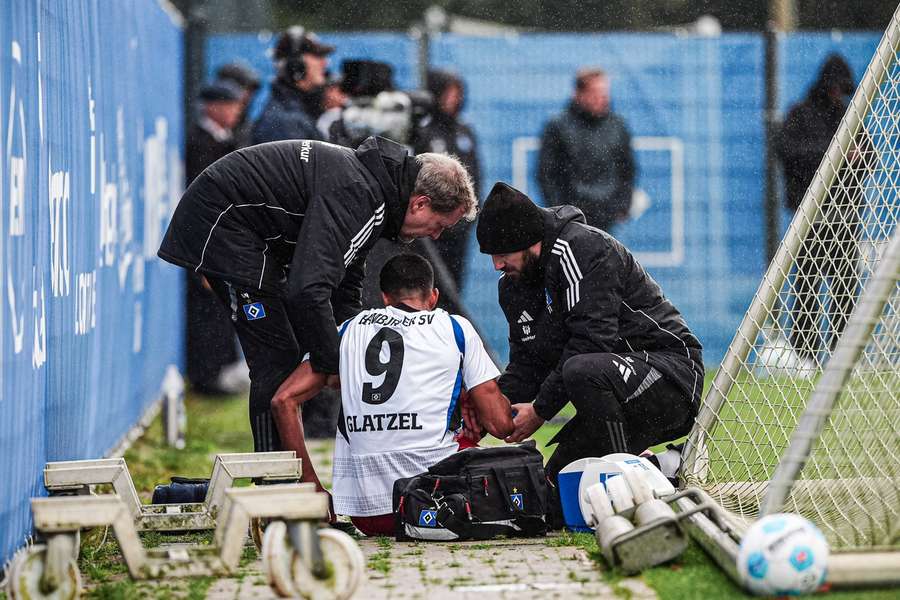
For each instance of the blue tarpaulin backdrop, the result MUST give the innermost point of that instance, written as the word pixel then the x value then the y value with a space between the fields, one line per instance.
pixel 91 167
pixel 695 110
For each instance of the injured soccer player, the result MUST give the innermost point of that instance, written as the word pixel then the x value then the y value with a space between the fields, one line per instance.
pixel 416 386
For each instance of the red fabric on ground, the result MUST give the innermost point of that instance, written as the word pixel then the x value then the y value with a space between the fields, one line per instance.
pixel 377 525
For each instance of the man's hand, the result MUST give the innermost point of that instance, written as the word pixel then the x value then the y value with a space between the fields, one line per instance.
pixel 526 422
pixel 332 517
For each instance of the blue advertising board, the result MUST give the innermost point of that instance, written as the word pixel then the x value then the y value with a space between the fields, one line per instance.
pixel 90 171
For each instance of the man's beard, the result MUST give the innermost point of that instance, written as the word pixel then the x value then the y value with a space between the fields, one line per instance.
pixel 531 269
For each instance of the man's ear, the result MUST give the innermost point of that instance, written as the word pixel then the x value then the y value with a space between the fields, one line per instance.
pixel 432 302
pixel 418 203
pixel 386 299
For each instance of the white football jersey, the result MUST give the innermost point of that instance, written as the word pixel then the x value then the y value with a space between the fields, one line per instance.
pixel 401 376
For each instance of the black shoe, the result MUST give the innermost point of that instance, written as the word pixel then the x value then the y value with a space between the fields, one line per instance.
pixel 182 490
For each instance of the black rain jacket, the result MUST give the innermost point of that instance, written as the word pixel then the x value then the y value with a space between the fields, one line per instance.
pixel 202 149
pixel 591 295
pixel 809 127
pixel 440 132
pixel 295 219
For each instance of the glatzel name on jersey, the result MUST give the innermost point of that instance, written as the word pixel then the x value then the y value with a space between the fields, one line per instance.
pixel 383 422
pixel 390 321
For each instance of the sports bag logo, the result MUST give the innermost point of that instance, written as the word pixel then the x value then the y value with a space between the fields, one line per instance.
pixel 517 499
pixel 428 518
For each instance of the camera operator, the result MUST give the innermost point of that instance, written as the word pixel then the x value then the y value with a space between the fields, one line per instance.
pixel 301 60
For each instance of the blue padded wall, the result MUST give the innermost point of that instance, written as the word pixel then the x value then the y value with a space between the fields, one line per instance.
pixel 91 168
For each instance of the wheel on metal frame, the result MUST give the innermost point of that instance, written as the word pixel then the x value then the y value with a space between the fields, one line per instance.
pixel 289 574
pixel 345 564
pixel 277 556
pixel 27 570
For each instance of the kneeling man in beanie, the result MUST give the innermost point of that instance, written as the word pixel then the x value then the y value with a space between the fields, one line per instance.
pixel 587 325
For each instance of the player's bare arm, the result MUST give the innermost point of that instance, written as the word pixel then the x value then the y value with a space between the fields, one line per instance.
pixel 301 385
pixel 492 409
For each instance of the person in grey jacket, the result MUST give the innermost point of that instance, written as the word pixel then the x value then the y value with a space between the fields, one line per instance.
pixel 586 158
pixel 301 60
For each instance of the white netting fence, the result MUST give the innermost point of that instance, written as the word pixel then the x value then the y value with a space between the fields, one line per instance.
pixel 850 484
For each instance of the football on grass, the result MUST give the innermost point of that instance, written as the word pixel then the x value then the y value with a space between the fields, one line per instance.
pixel 783 554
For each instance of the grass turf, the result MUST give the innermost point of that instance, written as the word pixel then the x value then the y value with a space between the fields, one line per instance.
pixel 221 425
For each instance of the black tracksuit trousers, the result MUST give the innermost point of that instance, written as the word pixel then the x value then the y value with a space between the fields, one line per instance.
pixel 623 405
pixel 209 338
pixel 272 351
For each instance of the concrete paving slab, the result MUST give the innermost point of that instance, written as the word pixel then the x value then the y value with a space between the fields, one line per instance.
pixel 536 568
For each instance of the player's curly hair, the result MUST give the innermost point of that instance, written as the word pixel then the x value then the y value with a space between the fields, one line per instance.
pixel 445 180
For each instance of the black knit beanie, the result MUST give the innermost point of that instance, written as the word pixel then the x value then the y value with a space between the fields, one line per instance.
pixel 509 221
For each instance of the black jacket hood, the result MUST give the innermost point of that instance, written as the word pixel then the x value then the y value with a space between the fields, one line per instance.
pixel 396 172
pixel 835 72
pixel 555 220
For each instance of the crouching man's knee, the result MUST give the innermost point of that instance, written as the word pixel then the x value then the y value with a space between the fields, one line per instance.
pixel 578 371
pixel 587 379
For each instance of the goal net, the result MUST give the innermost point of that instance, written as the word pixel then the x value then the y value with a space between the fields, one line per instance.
pixel 804 413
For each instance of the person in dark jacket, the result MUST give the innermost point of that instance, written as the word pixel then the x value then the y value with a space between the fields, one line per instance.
pixel 587 325
pixel 301 61
pixel 443 131
pixel 210 343
pixel 830 251
pixel 211 137
pixel 281 231
pixel 245 78
pixel 586 158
